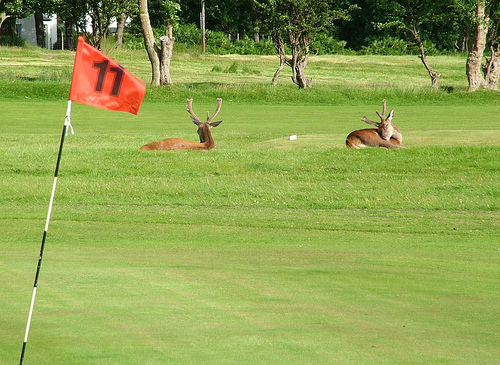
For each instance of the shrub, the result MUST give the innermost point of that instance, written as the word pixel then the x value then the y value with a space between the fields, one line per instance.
pixel 217 42
pixel 188 34
pixel 13 41
pixel 132 42
pixel 387 46
pixel 325 44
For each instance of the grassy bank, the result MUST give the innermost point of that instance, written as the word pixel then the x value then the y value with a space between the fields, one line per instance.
pixel 42 75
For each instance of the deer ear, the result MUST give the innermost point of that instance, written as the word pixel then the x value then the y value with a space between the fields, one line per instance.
pixel 215 124
pixel 196 121
pixel 391 115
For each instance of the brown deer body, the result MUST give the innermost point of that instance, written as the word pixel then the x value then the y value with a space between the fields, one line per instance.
pixel 369 137
pixel 386 135
pixel 206 140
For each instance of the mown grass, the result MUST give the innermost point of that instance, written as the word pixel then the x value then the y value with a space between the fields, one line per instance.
pixel 264 250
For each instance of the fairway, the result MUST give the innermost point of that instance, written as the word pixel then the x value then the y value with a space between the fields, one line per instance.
pixel 264 250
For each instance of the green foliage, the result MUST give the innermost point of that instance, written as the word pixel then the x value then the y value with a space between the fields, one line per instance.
pixel 132 42
pixel 387 46
pixel 13 41
pixel 323 43
pixel 219 43
pixel 188 34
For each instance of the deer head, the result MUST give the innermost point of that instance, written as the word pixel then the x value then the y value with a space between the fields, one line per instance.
pixel 206 139
pixel 385 128
pixel 202 126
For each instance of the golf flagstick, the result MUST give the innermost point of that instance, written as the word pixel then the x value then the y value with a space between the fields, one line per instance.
pixel 67 124
pixel 97 81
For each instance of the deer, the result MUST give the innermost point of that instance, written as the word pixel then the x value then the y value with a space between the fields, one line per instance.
pixel 386 135
pixel 206 140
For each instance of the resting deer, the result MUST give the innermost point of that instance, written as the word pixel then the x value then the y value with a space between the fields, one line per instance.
pixel 206 139
pixel 386 135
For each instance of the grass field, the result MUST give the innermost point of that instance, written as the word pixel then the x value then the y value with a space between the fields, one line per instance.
pixel 264 250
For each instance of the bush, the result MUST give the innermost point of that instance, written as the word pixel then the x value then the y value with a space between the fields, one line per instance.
pixel 388 46
pixel 13 41
pixel 217 42
pixel 429 47
pixel 188 34
pixel 325 44
pixel 132 42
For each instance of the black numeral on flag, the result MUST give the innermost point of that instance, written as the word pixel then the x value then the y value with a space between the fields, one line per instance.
pixel 103 70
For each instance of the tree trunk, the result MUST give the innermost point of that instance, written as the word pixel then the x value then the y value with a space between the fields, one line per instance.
pixel 159 58
pixel 475 57
pixel 300 57
pixel 119 28
pixel 279 44
pixel 167 48
pixel 149 42
pixel 39 31
pixel 298 61
pixel 274 81
pixel 492 69
pixel 256 35
pixel 68 37
pixel 3 17
pixel 433 74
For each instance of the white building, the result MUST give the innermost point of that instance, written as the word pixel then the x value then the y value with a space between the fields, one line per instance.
pixel 26 30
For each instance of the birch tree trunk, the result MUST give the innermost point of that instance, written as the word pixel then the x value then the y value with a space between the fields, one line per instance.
pixel 119 29
pixel 159 58
pixel 477 46
pixel 167 50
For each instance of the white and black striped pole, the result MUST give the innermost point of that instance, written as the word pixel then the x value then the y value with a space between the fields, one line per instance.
pixel 67 124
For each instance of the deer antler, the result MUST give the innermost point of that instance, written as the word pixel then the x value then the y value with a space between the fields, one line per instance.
pixel 366 120
pixel 219 104
pixel 382 116
pixel 190 110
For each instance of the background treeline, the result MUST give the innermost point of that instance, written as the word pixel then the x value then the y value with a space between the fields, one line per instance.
pixel 242 26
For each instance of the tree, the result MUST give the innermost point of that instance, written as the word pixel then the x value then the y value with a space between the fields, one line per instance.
pixel 298 21
pixel 229 16
pixel 7 8
pixel 482 18
pixel 37 8
pixel 14 9
pixel 159 56
pixel 71 15
pixel 414 17
pixel 77 14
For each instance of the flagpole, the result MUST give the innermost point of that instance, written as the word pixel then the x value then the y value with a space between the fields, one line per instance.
pixel 67 124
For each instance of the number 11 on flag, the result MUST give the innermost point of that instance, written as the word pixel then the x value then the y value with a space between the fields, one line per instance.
pixel 100 81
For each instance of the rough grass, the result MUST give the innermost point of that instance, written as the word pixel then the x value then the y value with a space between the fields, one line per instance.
pixel 264 250
pixel 338 79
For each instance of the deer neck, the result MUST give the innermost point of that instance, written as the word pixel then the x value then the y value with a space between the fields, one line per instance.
pixel 206 137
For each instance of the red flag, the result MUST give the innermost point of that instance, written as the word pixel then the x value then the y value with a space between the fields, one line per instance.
pixel 100 81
